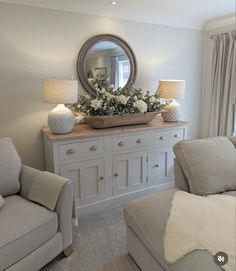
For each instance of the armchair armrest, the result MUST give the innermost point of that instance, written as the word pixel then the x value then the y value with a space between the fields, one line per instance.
pixel 64 205
pixel 64 209
pixel 233 140
pixel 27 176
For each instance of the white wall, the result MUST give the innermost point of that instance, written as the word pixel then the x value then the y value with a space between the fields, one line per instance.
pixel 39 43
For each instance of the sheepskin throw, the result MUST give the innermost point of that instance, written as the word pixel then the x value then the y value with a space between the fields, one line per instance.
pixel 197 222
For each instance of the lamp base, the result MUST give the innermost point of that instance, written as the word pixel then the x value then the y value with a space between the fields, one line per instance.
pixel 171 112
pixel 61 120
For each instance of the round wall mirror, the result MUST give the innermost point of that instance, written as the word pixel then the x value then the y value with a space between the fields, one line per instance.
pixel 106 58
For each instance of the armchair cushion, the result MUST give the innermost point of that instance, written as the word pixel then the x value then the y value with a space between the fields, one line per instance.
pixel 10 167
pixel 24 227
pixel 208 164
pixel 2 201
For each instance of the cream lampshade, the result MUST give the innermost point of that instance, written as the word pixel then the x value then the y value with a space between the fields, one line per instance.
pixel 60 118
pixel 170 90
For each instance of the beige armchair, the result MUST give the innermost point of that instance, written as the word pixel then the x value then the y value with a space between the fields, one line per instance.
pixel 31 235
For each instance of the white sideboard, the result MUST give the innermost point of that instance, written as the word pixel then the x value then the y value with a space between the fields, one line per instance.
pixel 112 166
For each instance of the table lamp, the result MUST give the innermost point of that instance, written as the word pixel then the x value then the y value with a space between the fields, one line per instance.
pixel 60 92
pixel 170 90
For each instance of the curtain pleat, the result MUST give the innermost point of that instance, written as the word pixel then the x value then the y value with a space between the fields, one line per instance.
pixel 223 85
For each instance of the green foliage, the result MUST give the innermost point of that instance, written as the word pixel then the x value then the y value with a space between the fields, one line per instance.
pixel 99 82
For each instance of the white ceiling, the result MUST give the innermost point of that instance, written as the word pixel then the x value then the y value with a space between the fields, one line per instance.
pixel 180 13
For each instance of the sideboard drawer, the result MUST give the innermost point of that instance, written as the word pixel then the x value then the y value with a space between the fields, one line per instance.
pixel 130 142
pixel 84 149
pixel 168 138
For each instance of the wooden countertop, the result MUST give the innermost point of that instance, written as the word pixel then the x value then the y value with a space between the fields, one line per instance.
pixel 81 131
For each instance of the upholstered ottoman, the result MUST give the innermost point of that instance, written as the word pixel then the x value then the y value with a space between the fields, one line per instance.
pixel 145 219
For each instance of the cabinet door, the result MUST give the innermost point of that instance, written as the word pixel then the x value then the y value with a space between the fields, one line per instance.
pixel 88 178
pixel 129 172
pixel 163 165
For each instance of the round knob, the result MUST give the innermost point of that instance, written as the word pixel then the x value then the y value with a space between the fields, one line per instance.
pixel 93 148
pixel 139 141
pixel 177 135
pixel 162 137
pixel 101 178
pixel 70 152
pixel 155 166
pixel 116 175
pixel 121 144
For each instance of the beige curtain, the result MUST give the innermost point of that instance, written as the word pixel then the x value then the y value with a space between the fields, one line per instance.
pixel 223 87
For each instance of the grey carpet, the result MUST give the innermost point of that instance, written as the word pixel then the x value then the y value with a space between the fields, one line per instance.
pixel 99 245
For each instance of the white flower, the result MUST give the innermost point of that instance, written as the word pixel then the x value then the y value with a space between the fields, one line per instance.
pixel 103 90
pixel 90 80
pixel 140 105
pixel 143 92
pixel 152 100
pixel 111 87
pixel 135 98
pixel 96 85
pixel 123 99
pixel 108 95
pixel 96 103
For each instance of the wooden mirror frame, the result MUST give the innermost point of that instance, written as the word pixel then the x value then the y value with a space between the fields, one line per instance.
pixel 92 41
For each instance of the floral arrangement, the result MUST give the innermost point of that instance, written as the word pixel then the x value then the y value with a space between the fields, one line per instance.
pixel 110 101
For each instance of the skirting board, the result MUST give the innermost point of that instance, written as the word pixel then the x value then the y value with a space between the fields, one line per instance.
pixel 100 206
